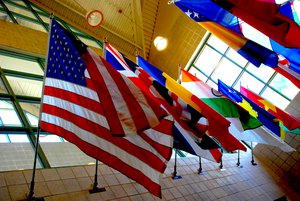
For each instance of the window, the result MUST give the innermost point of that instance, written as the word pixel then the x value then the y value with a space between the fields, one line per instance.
pixel 215 60
pixel 16 64
pixel 25 87
pixel 8 115
pixel 32 112
pixel 21 88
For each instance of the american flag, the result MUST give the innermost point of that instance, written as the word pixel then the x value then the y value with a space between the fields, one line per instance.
pixel 189 133
pixel 87 102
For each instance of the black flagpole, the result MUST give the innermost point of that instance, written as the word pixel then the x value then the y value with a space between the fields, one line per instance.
pixel 95 188
pixel 200 167
pixel 252 161
pixel 238 162
pixel 30 196
pixel 175 176
pixel 221 162
pixel 31 192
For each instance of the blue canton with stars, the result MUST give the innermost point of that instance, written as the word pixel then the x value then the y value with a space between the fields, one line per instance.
pixel 194 15
pixel 64 60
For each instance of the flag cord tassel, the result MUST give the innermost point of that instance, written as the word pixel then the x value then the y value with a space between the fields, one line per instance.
pixel 95 188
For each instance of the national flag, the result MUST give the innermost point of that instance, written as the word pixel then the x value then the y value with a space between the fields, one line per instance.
pixel 189 135
pixel 217 124
pixel 87 102
pixel 269 120
pixel 217 101
pixel 274 20
pixel 267 17
pixel 255 46
pixel 288 120
pixel 190 126
pixel 243 126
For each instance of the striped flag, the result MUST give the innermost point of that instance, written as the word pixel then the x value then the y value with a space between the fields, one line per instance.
pixel 248 41
pixel 87 102
pixel 243 126
pixel 270 121
pixel 288 120
pixel 217 124
pixel 189 137
pixel 190 128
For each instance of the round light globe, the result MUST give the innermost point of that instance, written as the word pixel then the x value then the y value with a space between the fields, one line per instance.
pixel 160 43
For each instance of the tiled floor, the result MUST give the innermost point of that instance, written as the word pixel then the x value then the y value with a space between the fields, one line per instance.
pixel 232 183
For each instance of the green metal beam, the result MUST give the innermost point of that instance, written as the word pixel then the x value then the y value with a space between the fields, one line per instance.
pixel 8 12
pixel 23 75
pixel 46 27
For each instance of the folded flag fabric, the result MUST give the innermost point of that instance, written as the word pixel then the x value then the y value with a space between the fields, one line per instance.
pixel 217 101
pixel 217 124
pixel 243 126
pixel 189 135
pixel 190 125
pixel 274 20
pixel 269 120
pixel 288 120
pixel 82 93
pixel 252 44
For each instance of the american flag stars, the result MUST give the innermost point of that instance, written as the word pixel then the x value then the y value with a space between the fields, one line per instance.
pixel 64 62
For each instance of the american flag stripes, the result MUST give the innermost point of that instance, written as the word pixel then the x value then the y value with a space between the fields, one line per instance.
pixel 87 102
pixel 189 134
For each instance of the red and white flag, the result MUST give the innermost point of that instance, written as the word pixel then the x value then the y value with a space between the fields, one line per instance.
pixel 87 102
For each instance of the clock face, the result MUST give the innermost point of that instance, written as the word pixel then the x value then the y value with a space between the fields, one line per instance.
pixel 94 18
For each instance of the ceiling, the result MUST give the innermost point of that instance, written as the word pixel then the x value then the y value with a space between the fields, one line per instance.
pixel 132 25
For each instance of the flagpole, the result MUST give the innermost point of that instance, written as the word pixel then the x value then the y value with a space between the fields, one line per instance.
pixel 31 192
pixel 95 188
pixel 30 196
pixel 221 162
pixel 104 47
pixel 252 161
pixel 175 176
pixel 238 162
pixel 179 73
pixel 200 166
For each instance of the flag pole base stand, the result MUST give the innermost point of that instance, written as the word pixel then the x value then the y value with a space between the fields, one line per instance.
pixel 97 190
pixel 175 177
pixel 201 172
pixel 33 199
pixel 253 163
pixel 222 168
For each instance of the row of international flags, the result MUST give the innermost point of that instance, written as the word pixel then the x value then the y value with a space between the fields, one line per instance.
pixel 130 115
pixel 262 31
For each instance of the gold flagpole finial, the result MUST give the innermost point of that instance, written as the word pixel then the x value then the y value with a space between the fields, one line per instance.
pixel 171 2
pixel 51 16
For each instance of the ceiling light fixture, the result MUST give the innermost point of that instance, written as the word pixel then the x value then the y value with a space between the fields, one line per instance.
pixel 160 43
